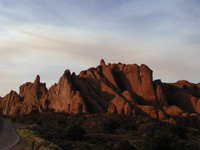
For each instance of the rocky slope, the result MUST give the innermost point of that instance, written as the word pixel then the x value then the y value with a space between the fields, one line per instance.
pixel 113 88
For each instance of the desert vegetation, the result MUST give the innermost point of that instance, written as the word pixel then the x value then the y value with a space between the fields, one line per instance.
pixel 94 102
pixel 109 132
pixel 173 138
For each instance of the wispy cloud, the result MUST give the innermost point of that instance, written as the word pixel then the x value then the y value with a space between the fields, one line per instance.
pixel 47 37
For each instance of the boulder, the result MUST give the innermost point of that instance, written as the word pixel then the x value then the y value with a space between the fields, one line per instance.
pixel 173 110
pixel 128 108
pixel 112 109
pixel 197 106
pixel 161 115
pixel 119 102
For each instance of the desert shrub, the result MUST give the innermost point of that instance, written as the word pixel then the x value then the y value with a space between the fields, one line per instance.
pixel 179 146
pixel 48 136
pixel 87 147
pixel 39 122
pixel 110 125
pixel 62 120
pixel 13 119
pixel 20 120
pixel 178 131
pixel 81 119
pixel 125 145
pixel 74 133
pixel 130 126
pixel 34 118
pixel 156 141
pixel 165 140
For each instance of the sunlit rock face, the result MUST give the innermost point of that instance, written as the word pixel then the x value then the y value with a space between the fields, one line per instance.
pixel 32 98
pixel 9 103
pixel 63 97
pixel 108 88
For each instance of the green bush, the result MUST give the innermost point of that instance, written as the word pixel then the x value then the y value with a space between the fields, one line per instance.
pixel 74 133
pixel 110 125
pixel 125 145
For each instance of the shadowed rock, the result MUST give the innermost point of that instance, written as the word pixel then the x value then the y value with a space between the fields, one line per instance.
pixel 114 88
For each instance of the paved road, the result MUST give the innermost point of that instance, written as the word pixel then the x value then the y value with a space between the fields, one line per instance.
pixel 8 136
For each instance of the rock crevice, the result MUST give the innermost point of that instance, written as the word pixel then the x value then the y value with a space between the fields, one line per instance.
pixel 114 88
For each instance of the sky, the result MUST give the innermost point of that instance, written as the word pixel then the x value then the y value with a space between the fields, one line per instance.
pixel 46 37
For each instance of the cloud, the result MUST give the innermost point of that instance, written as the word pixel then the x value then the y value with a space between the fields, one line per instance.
pixel 47 37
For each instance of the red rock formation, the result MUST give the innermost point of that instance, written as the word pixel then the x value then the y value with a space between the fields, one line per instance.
pixel 184 95
pixel 137 80
pixel 128 108
pixel 9 103
pixel 113 88
pixel 128 97
pixel 63 98
pixel 34 95
pixel 149 110
pixel 161 97
pixel 112 109
pixel 173 110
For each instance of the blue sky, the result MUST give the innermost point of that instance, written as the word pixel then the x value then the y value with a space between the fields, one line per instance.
pixel 46 37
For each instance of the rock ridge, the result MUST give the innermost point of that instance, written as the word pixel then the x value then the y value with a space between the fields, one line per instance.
pixel 108 88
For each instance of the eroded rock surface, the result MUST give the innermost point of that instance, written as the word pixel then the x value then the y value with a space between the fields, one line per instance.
pixel 113 88
pixel 32 98
pixel 62 97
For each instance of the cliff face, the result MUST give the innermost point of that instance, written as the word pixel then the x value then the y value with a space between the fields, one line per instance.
pixel 62 97
pixel 185 95
pixel 32 97
pixel 9 103
pixel 113 88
